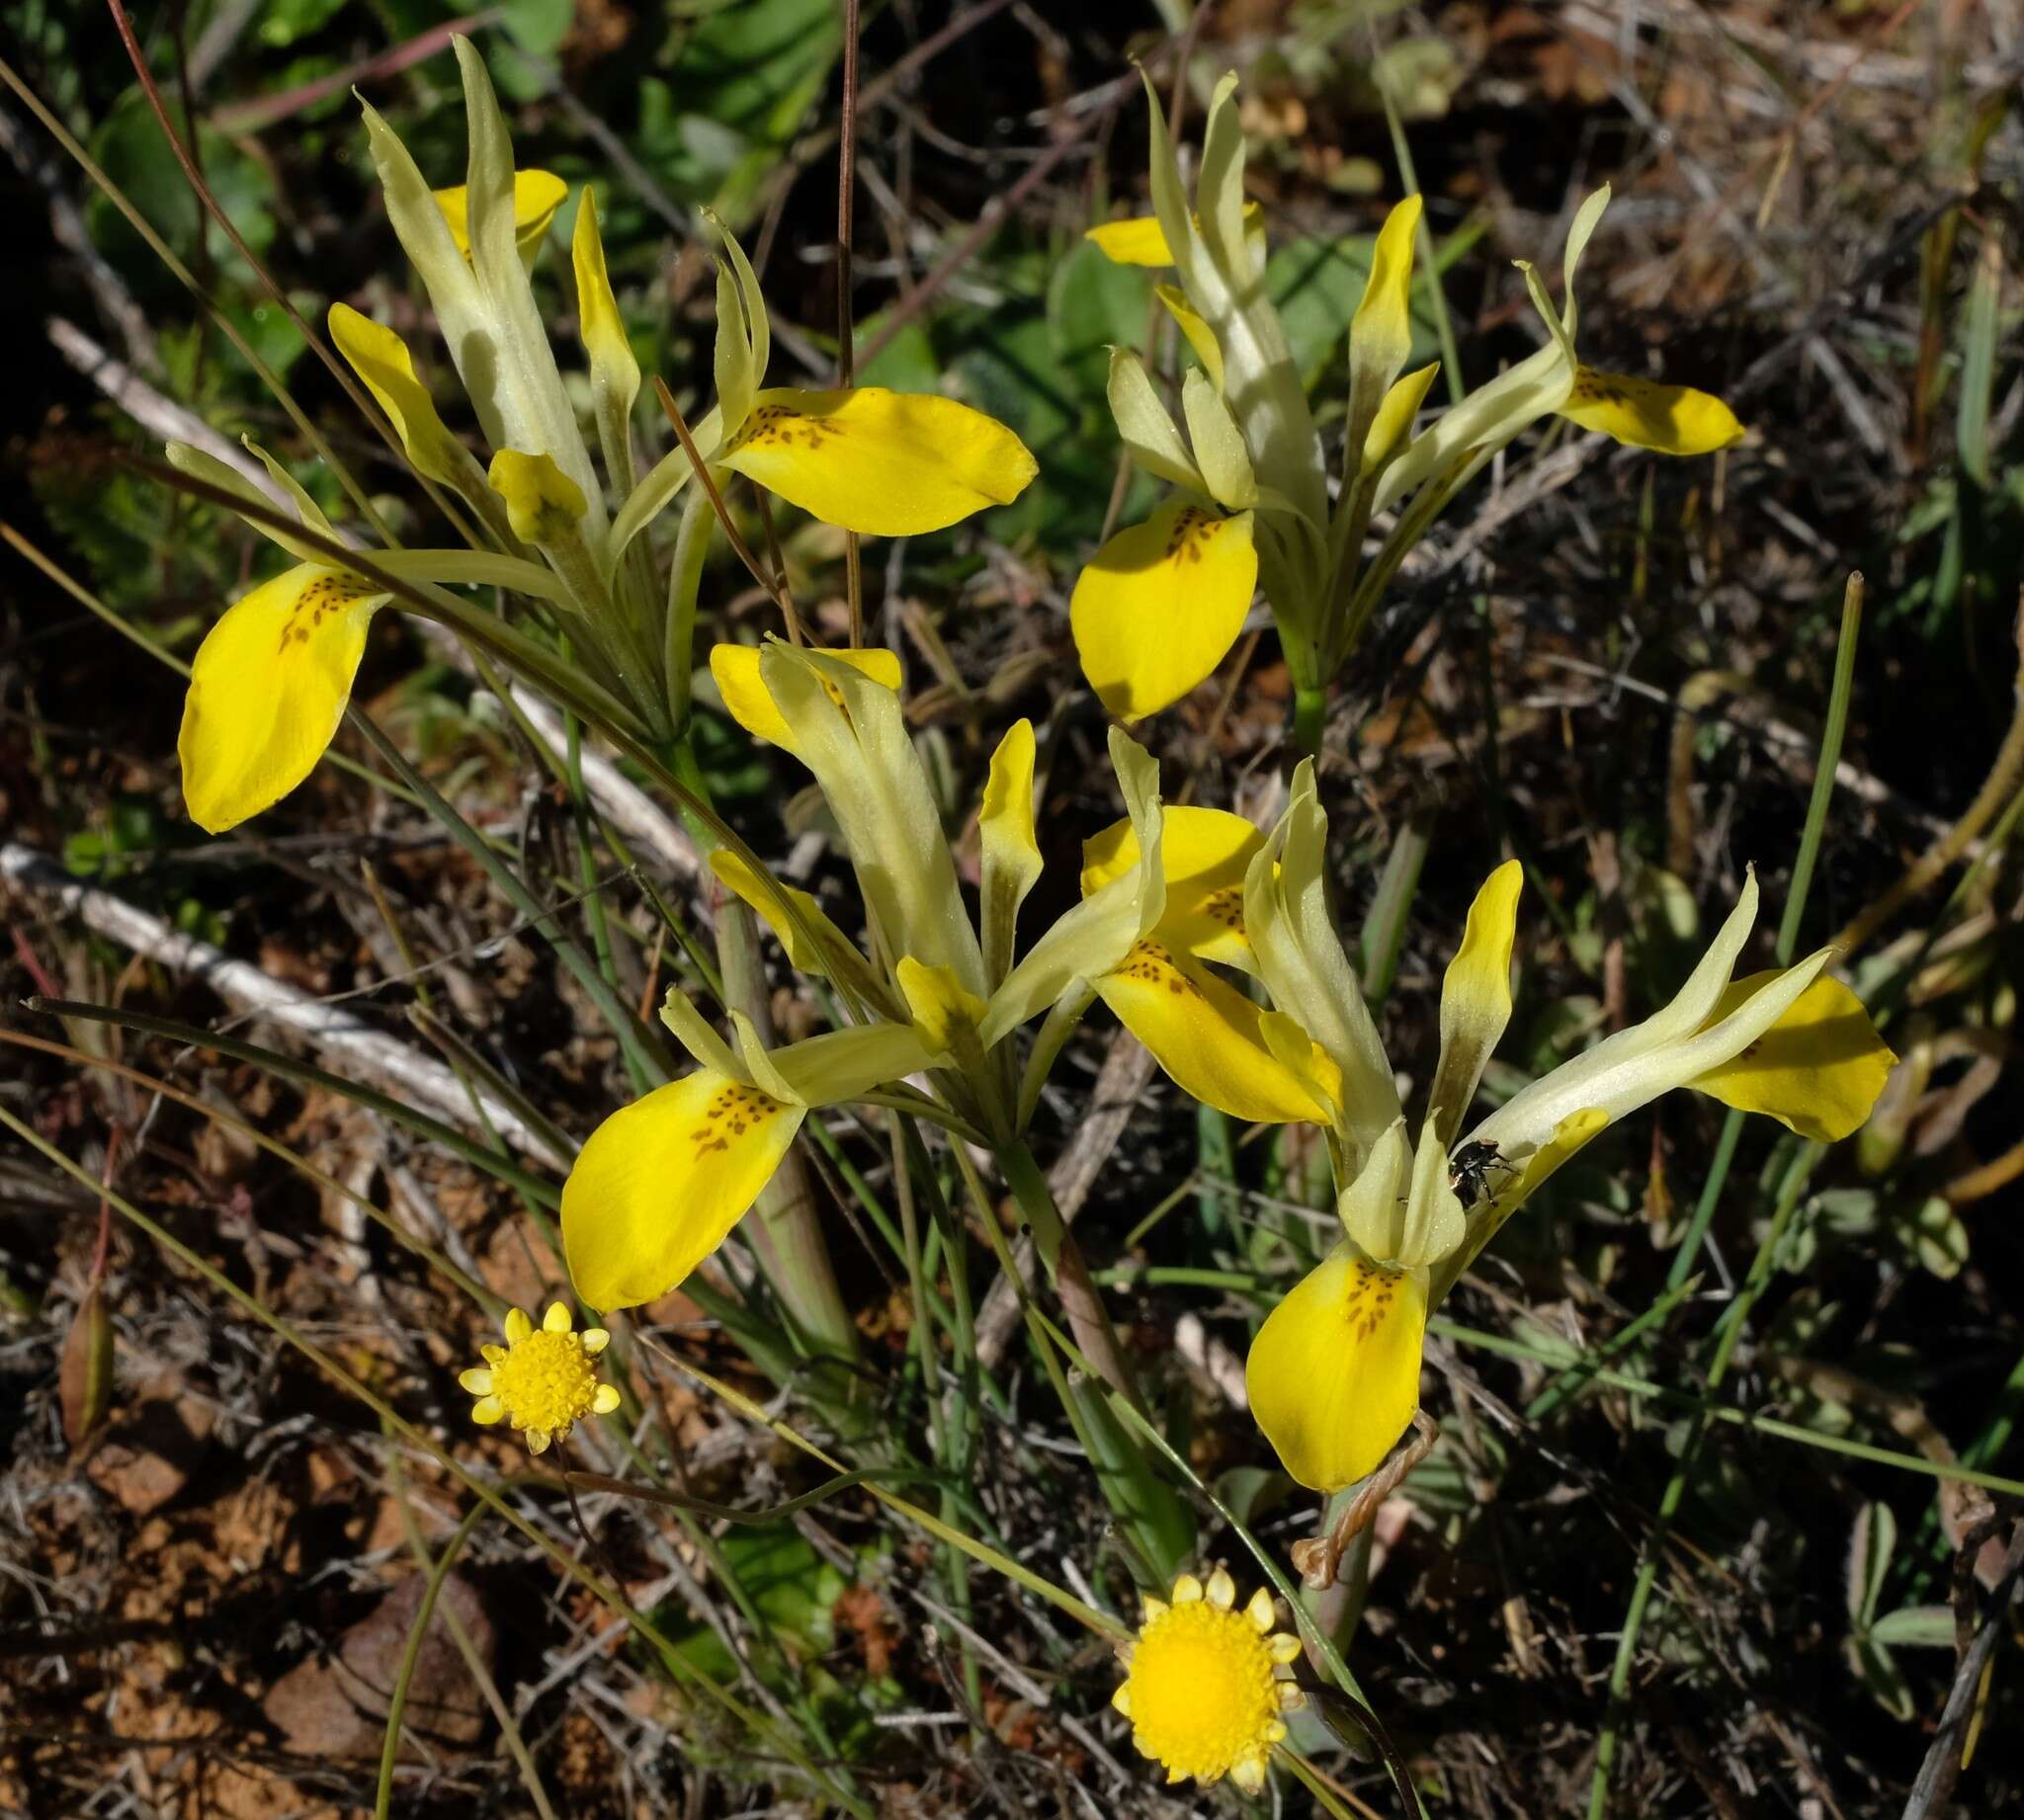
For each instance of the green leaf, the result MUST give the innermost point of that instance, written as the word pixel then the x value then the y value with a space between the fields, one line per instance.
pixel 1916 1628
pixel 1870 1548
pixel 1093 305
pixel 283 22
pixel 1979 364
pixel 739 93
pixel 537 26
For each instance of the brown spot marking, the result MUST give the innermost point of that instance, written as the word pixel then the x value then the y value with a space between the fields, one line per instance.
pixel 1372 1288
pixel 1152 965
pixel 781 426
pixel 733 1110
pixel 1226 906
pixel 1192 532
pixel 328 594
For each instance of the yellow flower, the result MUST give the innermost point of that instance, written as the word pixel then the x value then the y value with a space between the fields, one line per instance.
pixel 542 1379
pixel 1201 1685
pixel 1335 1372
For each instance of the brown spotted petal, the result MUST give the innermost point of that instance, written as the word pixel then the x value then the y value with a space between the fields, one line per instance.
pixel 1334 1375
pixel 659 1184
pixel 267 689
pixel 1206 1034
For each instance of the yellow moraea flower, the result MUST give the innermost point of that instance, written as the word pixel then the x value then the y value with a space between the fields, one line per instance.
pixel 537 195
pixel 267 689
pixel 662 1183
pixel 1204 1685
pixel 878 463
pixel 1161 605
pixel 543 504
pixel 1335 1372
pixel 885 464
pixel 1139 240
pixel 543 1379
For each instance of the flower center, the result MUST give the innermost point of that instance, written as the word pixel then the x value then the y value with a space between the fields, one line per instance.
pixel 1202 1692
pixel 547 1381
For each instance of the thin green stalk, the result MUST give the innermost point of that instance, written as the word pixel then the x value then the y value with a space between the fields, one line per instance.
pixel 460 1634
pixel 1087 1316
pixel 1830 759
pixel 294 1068
pixel 396 1705
pixel 1100 1622
pixel 1583 1372
pixel 1824 768
pixel 1589 1372
pixel 1424 244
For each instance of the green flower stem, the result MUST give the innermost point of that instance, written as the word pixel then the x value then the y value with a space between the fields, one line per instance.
pixel 684 579
pixel 1733 1320
pixel 1088 1320
pixel 1309 718
pixel 396 1705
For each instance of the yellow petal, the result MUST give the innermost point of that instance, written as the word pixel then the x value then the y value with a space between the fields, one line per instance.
pixel 488 1410
pixel 942 1008
pixel 537 195
pixel 659 1185
pixel 1395 416
pixel 556 1320
pixel 543 504
pixel 1381 333
pixel 516 1326
pixel 1475 998
pixel 1205 853
pixel 478 1380
pixel 1672 419
pixel 598 322
pixel 1201 337
pixel 1206 1034
pixel 1010 850
pixel 746 698
pixel 1818 1070
pixel 267 689
pixel 813 943
pixel 382 362
pixel 889 464
pixel 1334 1375
pixel 1139 240
pixel 1160 604
pixel 605 1400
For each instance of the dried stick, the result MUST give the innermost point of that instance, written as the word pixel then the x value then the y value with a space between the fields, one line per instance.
pixel 420 1080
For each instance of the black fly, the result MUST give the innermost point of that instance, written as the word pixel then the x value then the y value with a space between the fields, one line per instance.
pixel 1469 1170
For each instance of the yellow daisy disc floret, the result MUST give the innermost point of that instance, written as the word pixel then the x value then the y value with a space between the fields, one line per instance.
pixel 1202 1684
pixel 542 1379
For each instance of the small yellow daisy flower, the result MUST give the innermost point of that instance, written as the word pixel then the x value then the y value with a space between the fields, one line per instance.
pixel 1202 1687
pixel 542 1379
